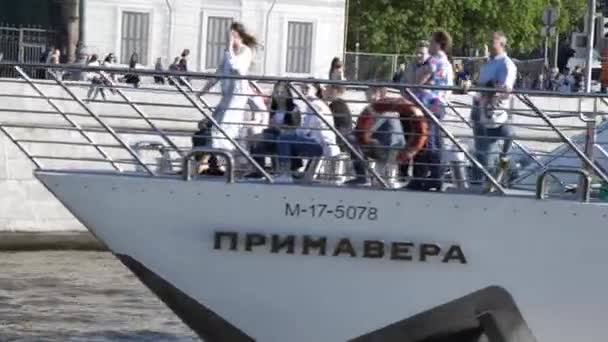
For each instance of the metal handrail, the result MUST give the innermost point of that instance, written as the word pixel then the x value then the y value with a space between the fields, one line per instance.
pixel 517 144
pixel 348 84
pixel 541 184
pixel 67 118
pixel 200 98
pixel 602 150
pixel 176 134
pixel 141 114
pixel 187 162
pixel 108 129
pixel 582 115
pixel 223 132
pixel 590 164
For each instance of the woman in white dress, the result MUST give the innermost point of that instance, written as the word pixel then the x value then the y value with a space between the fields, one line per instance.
pixel 230 112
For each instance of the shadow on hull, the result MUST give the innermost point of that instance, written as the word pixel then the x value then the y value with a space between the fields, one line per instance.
pixel 488 315
pixel 208 325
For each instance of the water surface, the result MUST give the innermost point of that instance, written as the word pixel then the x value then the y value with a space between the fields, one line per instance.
pixel 79 296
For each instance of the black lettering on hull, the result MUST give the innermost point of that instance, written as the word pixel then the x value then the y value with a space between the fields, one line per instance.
pixel 319 245
pixel 278 243
pixel 345 247
pixel 314 243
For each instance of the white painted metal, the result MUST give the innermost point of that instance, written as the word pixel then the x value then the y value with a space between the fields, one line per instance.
pixel 549 255
pixel 563 156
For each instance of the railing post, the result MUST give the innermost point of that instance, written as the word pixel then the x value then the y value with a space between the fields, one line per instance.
pixel 585 187
pixel 99 120
pixel 20 146
pixel 581 154
pixel 21 55
pixel 141 113
pixel 515 143
pixel 200 98
pixel 357 61
pixel 590 135
pixel 67 118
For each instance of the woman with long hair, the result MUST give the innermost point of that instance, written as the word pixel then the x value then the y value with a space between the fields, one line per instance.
pixel 284 118
pixel 133 79
pixel 230 112
pixel 336 70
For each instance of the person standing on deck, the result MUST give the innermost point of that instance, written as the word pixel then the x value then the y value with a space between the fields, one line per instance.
pixel 230 112
pixel 439 73
pixel 491 121
pixel 343 117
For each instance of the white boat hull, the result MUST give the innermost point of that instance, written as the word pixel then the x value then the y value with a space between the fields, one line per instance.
pixel 541 263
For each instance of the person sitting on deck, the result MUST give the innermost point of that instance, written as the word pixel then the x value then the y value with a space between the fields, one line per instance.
pixel 381 131
pixel 284 119
pixel 343 118
pixel 312 139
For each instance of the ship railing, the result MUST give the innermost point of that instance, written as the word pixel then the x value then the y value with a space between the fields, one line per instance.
pixel 57 127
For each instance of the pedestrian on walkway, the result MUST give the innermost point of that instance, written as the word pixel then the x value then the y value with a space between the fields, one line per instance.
pixel 96 80
pixel 336 70
pixel 159 79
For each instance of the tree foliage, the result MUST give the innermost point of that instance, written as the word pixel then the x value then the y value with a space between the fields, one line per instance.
pixel 395 26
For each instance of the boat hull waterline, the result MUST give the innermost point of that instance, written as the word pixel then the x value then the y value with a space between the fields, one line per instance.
pixel 248 261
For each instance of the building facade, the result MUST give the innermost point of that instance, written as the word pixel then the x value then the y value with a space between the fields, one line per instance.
pixel 297 37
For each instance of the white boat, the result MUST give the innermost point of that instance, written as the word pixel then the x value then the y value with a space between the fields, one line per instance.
pixel 253 261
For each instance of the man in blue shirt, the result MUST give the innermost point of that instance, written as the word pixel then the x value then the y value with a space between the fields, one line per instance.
pixel 491 121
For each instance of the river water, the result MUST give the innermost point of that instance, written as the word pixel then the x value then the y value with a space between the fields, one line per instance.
pixel 79 296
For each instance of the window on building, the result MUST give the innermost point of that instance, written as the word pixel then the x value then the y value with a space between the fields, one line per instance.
pixel 135 36
pixel 299 47
pixel 218 35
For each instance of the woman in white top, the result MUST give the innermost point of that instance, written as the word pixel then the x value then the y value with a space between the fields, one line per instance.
pixel 230 112
pixel 312 139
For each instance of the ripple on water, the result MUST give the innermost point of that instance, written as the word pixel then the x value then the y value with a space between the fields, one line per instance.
pixel 80 296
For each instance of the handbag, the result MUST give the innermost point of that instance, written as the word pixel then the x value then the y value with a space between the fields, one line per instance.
pixel 492 115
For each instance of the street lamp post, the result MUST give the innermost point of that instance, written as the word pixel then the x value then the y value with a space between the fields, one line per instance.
pixel 81 54
pixel 590 43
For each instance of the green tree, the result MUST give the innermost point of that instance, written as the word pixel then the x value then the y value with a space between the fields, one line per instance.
pixel 394 26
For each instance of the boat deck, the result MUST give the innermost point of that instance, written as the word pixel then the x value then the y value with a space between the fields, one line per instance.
pixel 148 131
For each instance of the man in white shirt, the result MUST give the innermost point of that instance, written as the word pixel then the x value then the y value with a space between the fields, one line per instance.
pixel 491 121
